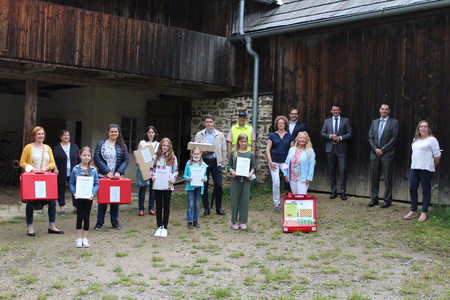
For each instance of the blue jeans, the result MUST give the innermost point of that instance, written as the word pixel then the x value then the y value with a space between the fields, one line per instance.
pixel 51 213
pixel 114 213
pixel 424 177
pixel 216 174
pixel 151 197
pixel 193 208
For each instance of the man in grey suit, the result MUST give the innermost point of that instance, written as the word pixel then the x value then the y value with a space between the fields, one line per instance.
pixel 382 138
pixel 336 131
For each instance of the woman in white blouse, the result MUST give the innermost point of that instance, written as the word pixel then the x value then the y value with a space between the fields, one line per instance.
pixel 424 159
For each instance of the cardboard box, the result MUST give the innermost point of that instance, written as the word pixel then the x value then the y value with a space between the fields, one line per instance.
pixel 299 213
pixel 144 158
pixel 114 191
pixel 38 186
pixel 202 146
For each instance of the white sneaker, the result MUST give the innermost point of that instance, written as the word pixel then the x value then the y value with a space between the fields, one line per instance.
pixel 158 231
pixel 163 232
pixel 86 243
pixel 79 243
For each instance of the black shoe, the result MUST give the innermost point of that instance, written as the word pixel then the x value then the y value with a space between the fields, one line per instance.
pixel 196 225
pixel 98 226
pixel 343 197
pixel 190 225
pixel 55 231
pixel 386 204
pixel 31 234
pixel 220 212
pixel 333 196
pixel 373 202
pixel 206 212
pixel 116 225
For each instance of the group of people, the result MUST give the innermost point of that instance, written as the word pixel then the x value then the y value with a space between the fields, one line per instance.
pixel 289 150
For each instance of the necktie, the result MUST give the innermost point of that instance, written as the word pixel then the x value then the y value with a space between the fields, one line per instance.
pixel 380 130
pixel 335 125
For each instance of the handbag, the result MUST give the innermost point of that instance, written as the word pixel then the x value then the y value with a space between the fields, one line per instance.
pixel 140 181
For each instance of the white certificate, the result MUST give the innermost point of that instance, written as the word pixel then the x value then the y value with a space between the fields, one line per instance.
pixel 40 189
pixel 242 166
pixel 146 155
pixel 114 194
pixel 162 179
pixel 83 188
pixel 197 175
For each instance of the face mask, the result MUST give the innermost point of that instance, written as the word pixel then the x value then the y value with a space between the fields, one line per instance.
pixel 196 158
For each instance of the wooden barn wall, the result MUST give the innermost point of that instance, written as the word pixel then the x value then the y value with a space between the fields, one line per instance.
pixel 43 32
pixel 207 16
pixel 405 63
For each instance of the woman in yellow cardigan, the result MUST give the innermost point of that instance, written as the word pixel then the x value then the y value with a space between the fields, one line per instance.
pixel 38 157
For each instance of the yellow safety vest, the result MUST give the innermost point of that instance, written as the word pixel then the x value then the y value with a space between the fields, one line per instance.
pixel 236 131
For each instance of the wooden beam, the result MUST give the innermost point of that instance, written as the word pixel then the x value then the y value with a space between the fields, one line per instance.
pixel 29 120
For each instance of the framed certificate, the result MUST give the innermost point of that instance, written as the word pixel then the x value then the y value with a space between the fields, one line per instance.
pixel 197 175
pixel 242 166
pixel 162 179
pixel 83 188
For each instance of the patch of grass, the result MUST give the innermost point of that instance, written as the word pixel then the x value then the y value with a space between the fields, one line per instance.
pixel 396 255
pixel 157 258
pixel 202 260
pixel 94 287
pixel 138 245
pixel 237 254
pixel 28 279
pixel 192 271
pixel 221 293
pixel 57 285
pixel 280 276
pixel 358 296
pixel 329 270
pixel 121 254
pixel 8 296
pixel 110 297
pixel 249 280
pixel 86 254
pixel 100 264
pixel 261 244
pixel 370 275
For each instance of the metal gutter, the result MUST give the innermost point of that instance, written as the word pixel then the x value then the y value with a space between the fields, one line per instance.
pixel 248 43
pixel 342 20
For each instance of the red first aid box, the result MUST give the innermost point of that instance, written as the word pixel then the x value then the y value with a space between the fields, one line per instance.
pixel 114 191
pixel 299 213
pixel 38 186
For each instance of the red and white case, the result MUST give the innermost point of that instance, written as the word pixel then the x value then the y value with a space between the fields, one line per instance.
pixel 114 191
pixel 299 213
pixel 38 186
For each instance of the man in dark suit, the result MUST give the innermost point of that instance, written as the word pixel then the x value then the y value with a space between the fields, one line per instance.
pixel 336 131
pixel 382 138
pixel 295 126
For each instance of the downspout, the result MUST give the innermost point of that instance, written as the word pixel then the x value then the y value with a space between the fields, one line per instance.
pixel 248 43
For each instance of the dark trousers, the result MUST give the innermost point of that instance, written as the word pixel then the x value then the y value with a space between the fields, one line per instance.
pixel 162 203
pixel 339 160
pixel 84 207
pixel 376 166
pixel 62 194
pixel 151 196
pixel 114 213
pixel 424 177
pixel 216 173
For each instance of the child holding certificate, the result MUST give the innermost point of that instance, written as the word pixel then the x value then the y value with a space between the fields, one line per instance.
pixel 195 174
pixel 163 173
pixel 241 165
pixel 83 185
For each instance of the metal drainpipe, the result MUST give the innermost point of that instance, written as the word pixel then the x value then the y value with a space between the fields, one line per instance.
pixel 248 43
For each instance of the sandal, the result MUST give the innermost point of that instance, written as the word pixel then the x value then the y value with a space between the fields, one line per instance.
pixel 423 217
pixel 410 215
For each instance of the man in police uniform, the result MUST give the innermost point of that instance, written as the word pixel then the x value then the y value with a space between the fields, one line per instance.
pixel 215 161
pixel 241 127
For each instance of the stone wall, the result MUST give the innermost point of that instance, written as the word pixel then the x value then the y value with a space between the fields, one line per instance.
pixel 225 111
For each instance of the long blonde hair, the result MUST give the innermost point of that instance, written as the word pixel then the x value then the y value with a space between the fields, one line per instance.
pixel 309 146
pixel 238 147
pixel 417 135
pixel 169 154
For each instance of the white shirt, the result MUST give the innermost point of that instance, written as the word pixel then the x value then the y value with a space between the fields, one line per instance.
pixel 424 152
pixel 155 144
